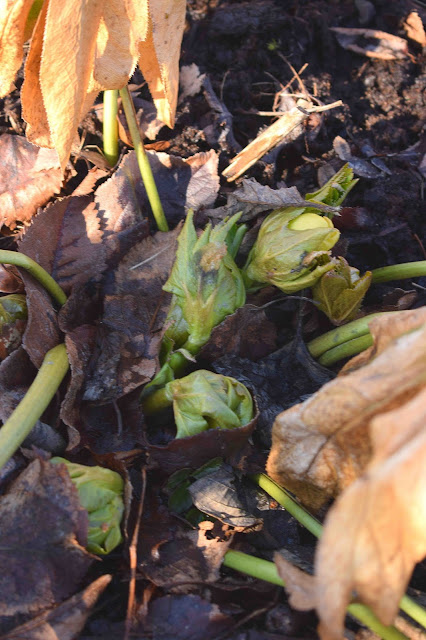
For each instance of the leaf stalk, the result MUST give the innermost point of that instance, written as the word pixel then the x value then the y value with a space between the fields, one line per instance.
pixel 110 126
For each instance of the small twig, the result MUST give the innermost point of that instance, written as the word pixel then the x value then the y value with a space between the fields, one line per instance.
pixel 133 561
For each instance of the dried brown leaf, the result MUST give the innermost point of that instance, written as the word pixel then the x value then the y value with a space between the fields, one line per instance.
pixel 376 531
pixel 414 28
pixel 322 445
pixel 28 178
pixel 299 585
pixel 159 55
pixel 42 536
pixel 372 43
pixel 64 621
pixel 13 16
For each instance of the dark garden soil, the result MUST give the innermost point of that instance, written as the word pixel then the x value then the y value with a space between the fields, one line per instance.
pixel 249 51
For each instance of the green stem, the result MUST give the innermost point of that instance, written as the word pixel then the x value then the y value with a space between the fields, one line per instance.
pixel 336 337
pixel 282 496
pixel 21 260
pixel 400 271
pixel 346 350
pixel 34 403
pixel 143 162
pixel 265 570
pixel 110 126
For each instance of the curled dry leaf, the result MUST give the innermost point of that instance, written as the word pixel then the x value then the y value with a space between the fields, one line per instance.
pixel 414 28
pixel 322 445
pixel 78 49
pixel 28 178
pixel 372 43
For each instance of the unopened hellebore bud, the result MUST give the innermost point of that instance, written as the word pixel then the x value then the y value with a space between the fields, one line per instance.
pixel 336 189
pixel 101 493
pixel 292 250
pixel 340 291
pixel 205 400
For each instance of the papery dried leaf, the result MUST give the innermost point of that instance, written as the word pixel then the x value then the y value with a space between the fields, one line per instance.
pixel 124 23
pixel 13 16
pixel 42 536
pixel 414 28
pixel 159 55
pixel 73 252
pixel 64 621
pixel 299 585
pixel 376 531
pixel 372 43
pixel 28 178
pixel 323 445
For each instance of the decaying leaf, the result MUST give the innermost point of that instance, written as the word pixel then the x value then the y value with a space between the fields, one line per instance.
pixel 28 178
pixel 64 621
pixel 78 49
pixel 414 28
pixel 42 536
pixel 322 445
pixel 372 43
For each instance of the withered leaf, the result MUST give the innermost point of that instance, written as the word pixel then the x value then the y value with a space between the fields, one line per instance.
pixel 322 445
pixel 414 28
pixel 376 529
pixel 183 617
pixel 64 621
pixel 135 307
pixel 28 178
pixel 372 43
pixel 42 536
pixel 100 45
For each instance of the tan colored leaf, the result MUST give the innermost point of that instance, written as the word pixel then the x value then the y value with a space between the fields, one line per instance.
pixel 28 178
pixel 159 55
pixel 321 446
pixel 299 585
pixel 13 16
pixel 71 26
pixel 414 28
pixel 372 43
pixel 376 531
pixel 124 23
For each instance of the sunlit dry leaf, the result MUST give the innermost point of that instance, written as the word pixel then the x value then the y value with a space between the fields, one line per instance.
pixel 414 28
pixel 80 48
pixel 42 536
pixel 322 445
pixel 376 531
pixel 191 81
pixel 159 55
pixel 372 43
pixel 13 16
pixel 64 621
pixel 28 178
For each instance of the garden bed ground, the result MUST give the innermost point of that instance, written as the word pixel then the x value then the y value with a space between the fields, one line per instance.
pixel 248 52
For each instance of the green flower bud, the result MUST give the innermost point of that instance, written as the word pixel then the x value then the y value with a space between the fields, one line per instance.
pixel 292 250
pixel 336 189
pixel 101 493
pixel 204 400
pixel 340 291
pixel 13 320
pixel 206 285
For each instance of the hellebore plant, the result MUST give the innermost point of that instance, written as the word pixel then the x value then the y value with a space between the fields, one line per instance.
pixel 101 493
pixel 340 292
pixel 13 320
pixel 203 400
pixel 291 251
pixel 336 189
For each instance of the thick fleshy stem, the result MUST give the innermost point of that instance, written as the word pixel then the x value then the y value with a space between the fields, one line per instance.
pixel 399 271
pixel 110 126
pixel 143 162
pixel 411 608
pixel 265 570
pixel 45 279
pixel 346 350
pixel 34 403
